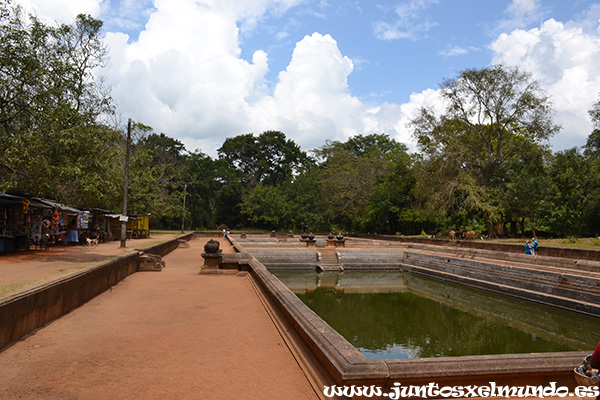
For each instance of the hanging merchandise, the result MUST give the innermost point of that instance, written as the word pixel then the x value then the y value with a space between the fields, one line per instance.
pixel 85 220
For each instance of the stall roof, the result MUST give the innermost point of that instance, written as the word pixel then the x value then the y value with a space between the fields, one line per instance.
pixel 119 216
pixel 9 199
pixel 60 206
pixel 13 199
pixel 100 210
pixel 38 203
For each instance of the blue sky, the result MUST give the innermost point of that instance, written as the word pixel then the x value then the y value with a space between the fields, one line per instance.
pixel 204 70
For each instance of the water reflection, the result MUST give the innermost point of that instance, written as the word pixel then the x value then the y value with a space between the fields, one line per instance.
pixel 392 314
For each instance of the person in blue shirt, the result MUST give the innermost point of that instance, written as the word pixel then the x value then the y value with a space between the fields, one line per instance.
pixel 534 245
pixel 528 247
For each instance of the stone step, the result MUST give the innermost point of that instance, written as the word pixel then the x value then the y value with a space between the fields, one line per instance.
pixel 329 267
pixel 590 308
pixel 574 287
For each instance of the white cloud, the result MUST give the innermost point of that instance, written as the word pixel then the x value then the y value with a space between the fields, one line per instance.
pixel 566 62
pixel 411 21
pixel 520 13
pixel 453 51
pixel 311 100
pixel 61 11
pixel 522 8
pixel 184 76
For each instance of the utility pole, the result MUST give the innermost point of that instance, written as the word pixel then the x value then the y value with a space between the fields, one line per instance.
pixel 126 187
pixel 183 211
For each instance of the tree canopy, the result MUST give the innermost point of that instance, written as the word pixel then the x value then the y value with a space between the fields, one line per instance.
pixel 492 116
pixel 482 163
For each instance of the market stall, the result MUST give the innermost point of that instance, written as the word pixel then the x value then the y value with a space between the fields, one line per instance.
pixel 12 222
pixel 21 222
pixel 141 227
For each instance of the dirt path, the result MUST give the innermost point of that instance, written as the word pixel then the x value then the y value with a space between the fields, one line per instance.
pixel 26 269
pixel 172 334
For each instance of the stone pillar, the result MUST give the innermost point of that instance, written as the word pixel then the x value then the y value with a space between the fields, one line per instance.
pixel 212 256
pixel 310 240
pixel 331 240
pixel 340 241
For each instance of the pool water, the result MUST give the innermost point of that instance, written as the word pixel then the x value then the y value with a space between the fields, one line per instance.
pixel 393 314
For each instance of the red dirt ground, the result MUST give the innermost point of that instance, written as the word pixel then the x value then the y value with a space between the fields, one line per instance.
pixel 172 334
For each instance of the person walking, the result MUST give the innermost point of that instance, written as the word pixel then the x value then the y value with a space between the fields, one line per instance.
pixel 534 245
pixel 528 247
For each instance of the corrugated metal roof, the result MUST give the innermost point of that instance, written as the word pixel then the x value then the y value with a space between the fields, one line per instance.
pixel 9 199
pixel 60 206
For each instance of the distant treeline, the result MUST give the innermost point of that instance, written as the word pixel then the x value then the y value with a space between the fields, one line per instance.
pixel 483 164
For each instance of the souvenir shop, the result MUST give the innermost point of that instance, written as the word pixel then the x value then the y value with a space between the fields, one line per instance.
pixel 27 222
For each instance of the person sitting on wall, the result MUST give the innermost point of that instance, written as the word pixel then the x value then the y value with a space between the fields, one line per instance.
pixel 528 247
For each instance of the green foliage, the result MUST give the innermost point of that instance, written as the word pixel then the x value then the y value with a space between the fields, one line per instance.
pixel 266 206
pixel 366 183
pixel 157 171
pixel 492 114
pixel 268 158
pixel 51 142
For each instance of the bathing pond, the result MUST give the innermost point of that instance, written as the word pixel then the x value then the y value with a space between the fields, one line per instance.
pixel 395 314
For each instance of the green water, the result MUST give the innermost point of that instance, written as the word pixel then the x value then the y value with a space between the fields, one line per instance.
pixel 392 314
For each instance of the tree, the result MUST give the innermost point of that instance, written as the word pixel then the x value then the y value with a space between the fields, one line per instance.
pixel 392 206
pixel 26 59
pixel 82 50
pixel 526 188
pixel 569 173
pixel 157 176
pixel 269 158
pixel 352 172
pixel 380 145
pixel 591 152
pixel 50 108
pixel 595 115
pixel 490 113
pixel 266 206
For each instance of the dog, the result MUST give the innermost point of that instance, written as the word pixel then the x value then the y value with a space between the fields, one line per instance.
pixel 91 242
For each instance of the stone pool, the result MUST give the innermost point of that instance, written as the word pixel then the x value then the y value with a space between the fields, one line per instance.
pixel 401 315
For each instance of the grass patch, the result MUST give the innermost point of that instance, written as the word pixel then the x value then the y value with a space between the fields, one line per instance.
pixel 6 290
pixel 567 243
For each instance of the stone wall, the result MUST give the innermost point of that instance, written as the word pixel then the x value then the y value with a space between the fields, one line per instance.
pixel 557 288
pixel 578 254
pixel 298 259
pixel 348 366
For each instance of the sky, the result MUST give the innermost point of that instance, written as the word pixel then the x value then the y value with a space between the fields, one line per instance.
pixel 201 71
